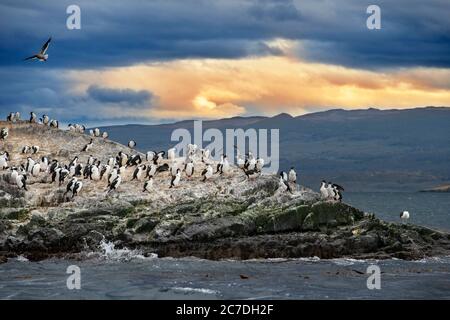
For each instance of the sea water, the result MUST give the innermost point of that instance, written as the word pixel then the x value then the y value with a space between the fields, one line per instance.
pixel 113 273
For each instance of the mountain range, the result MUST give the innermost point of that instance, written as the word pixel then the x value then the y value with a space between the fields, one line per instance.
pixel 363 150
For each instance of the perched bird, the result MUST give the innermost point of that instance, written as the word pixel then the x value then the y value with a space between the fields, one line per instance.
pixel 223 166
pixel 4 133
pixel 251 174
pixel 115 184
pixel 21 181
pixel 171 154
pixel 205 155
pixel 324 190
pixel 240 162
pixel 330 190
pixel 33 117
pixel 54 123
pixel 45 119
pixel 191 149
pixel 91 160
pixel 14 173
pixel 159 157
pixel 175 181
pixel 122 159
pixel 337 191
pixel 250 162
pixel 151 170
pixel 53 166
pixel 189 169
pixel 35 169
pixel 148 185
pixel 70 186
pixel 131 144
pixel 44 164
pixel 63 174
pixel 77 188
pixel 259 164
pixel 74 161
pixel 4 160
pixel 104 171
pixel 35 149
pixel 113 175
pixel 173 168
pixel 30 164
pixel 11 117
pixel 111 162
pixel 139 172
pixel 42 55
pixel 134 160
pixel 88 146
pixel 292 175
pixel 94 173
pixel 404 215
pixel 97 132
pixel 78 170
pixel 150 156
pixel 284 182
pixel 105 135
pixel 207 173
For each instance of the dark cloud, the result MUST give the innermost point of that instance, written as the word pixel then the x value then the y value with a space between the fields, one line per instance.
pixel 30 89
pixel 117 33
pixel 121 33
pixel 127 96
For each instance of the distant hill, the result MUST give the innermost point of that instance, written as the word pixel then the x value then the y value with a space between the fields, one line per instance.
pixel 364 150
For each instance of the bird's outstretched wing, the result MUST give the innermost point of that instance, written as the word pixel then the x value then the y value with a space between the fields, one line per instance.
pixel 45 46
pixel 29 58
pixel 339 187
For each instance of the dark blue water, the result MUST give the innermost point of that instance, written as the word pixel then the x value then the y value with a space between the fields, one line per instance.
pixel 430 209
pixel 124 274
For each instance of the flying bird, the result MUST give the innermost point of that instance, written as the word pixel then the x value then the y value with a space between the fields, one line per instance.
pixel 42 55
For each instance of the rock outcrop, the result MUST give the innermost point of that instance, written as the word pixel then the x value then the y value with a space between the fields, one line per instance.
pixel 227 217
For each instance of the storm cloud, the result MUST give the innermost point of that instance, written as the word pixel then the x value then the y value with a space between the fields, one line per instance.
pixel 127 96
pixel 117 33
pixel 122 37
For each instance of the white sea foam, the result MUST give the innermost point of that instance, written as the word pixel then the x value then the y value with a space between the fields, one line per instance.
pixel 196 290
pixel 347 261
pixel 108 251
pixel 22 259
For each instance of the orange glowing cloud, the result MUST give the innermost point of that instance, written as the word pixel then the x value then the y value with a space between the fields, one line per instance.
pixel 213 88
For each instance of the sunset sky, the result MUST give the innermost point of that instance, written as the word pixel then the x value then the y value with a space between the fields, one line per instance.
pixel 159 61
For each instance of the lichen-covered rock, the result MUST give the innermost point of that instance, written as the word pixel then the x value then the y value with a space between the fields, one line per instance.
pixel 226 217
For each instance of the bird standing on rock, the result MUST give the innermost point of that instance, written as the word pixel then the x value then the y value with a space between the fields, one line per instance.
pixel 115 184
pixel 207 173
pixel 284 183
pixel 33 117
pixel 88 146
pixel 4 133
pixel 148 185
pixel 324 190
pixel 292 175
pixel 404 215
pixel 175 181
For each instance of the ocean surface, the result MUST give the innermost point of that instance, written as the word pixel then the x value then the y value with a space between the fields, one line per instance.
pixel 114 273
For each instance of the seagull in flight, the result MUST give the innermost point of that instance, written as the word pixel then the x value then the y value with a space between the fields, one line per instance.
pixel 41 56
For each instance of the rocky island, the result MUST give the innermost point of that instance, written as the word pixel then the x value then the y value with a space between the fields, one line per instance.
pixel 227 217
